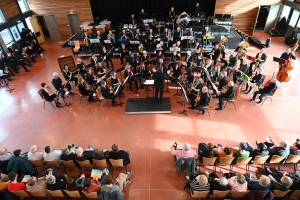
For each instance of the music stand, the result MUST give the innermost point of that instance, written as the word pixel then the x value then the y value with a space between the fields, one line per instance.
pixel 183 92
pixel 148 83
pixel 187 38
pixel 122 40
pixel 116 92
pixel 95 42
pixel 206 37
pixel 174 48
pixel 134 44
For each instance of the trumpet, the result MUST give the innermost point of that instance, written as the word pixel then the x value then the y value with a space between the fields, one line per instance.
pixel 141 48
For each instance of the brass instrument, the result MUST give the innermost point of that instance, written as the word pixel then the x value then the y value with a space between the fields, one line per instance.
pixel 141 48
pixel 222 43
pixel 111 37
pixel 241 52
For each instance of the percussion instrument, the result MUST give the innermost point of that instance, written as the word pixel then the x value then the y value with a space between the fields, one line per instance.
pixel 147 26
pixel 82 26
pixel 101 28
pixel 132 26
pixel 107 23
pixel 183 19
pixel 125 26
pixel 129 33
pixel 88 23
pixel 88 29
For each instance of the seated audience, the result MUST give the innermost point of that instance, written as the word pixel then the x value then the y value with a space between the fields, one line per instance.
pixel 186 152
pixel 262 184
pixel 14 185
pixel 67 155
pixel 260 151
pixel 217 183
pixel 51 154
pixel 19 164
pixel 206 151
pixel 121 181
pixel 224 152
pixel 5 154
pixel 100 155
pixel 200 183
pixel 295 149
pixel 87 154
pixel 119 154
pixel 33 153
pixel 275 149
pixel 72 185
pixel 80 181
pixel 279 181
pixel 55 183
pixel 34 184
pixel 241 152
pixel 238 182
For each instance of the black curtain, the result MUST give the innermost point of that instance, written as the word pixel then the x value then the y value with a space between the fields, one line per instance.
pixel 119 11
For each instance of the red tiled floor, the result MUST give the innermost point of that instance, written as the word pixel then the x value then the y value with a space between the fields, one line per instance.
pixel 24 122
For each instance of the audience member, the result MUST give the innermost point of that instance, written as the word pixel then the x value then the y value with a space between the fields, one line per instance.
pixel 241 152
pixel 186 152
pixel 14 185
pixel 238 182
pixel 217 183
pixel 72 185
pixel 80 181
pixel 121 181
pixel 224 152
pixel 206 151
pixel 5 154
pixel 34 184
pixel 33 153
pixel 262 184
pixel 281 150
pixel 55 183
pixel 279 181
pixel 295 149
pixel 100 155
pixel 87 154
pixel 67 155
pixel 19 164
pixel 200 183
pixel 3 182
pixel 119 154
pixel 260 151
pixel 51 154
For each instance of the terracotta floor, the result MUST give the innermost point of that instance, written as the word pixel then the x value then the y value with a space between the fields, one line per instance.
pixel 25 122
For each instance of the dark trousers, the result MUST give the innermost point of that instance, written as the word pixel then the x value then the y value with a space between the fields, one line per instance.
pixel 221 100
pixel 122 60
pixel 130 83
pixel 160 90
pixel 112 97
pixel 89 94
pixel 262 95
pixel 32 58
pixel 111 63
pixel 199 106
pixel 251 67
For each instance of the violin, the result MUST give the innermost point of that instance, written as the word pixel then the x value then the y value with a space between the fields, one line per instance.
pixel 283 75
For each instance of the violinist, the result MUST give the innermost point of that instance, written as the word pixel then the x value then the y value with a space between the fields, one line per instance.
pixel 177 34
pixel 143 71
pixel 99 69
pixel 107 57
pixel 90 78
pixel 268 88
pixel 81 67
pixel 85 90
pixel 256 80
pixel 195 87
pixel 202 100
pixel 150 39
pixel 124 53
pixel 227 95
pixel 115 82
pixel 261 58
pixel 132 20
pixel 68 74
pixel 108 93
pixel 129 73
pixel 133 61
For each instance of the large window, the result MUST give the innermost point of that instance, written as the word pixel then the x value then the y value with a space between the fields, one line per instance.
pixel 7 38
pixel 15 33
pixel 294 18
pixel 2 19
pixel 285 12
pixel 20 26
pixel 23 5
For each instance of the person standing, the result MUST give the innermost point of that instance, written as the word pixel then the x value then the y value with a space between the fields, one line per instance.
pixel 159 83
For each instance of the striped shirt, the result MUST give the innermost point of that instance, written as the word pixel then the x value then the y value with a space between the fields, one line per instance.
pixel 195 186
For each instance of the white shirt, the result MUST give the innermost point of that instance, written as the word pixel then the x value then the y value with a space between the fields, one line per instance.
pixel 6 156
pixel 35 156
pixel 54 155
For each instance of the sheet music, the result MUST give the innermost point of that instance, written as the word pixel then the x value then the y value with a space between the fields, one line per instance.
pixel 149 82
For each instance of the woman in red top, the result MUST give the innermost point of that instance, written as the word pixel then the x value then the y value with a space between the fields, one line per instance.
pixel 14 185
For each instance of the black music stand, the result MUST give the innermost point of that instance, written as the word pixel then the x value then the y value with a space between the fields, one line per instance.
pixel 61 89
pixel 6 84
pixel 184 112
pixel 148 83
pixel 116 92
pixel 95 42
pixel 177 94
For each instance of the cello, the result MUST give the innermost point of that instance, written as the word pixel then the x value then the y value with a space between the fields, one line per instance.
pixel 283 75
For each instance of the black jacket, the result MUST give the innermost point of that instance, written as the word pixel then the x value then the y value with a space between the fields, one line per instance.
pixel 204 98
pixel 120 155
pixel 230 93
pixel 269 89
pixel 57 83
pixel 159 79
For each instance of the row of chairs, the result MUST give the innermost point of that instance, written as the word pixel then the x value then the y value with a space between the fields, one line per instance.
pixel 55 193
pixel 258 160
pixel 98 164
pixel 237 194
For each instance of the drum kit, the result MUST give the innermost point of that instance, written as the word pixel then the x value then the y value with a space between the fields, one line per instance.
pixel 102 28
pixel 129 30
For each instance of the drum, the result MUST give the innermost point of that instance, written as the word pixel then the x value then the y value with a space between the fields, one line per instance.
pixel 88 23
pixel 130 26
pixel 101 28
pixel 82 26
pixel 125 26
pixel 107 23
pixel 88 29
pixel 129 33
pixel 147 26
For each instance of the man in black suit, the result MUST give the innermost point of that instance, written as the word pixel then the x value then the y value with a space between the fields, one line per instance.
pixel 204 100
pixel 142 16
pixel 197 10
pixel 159 82
pixel 47 92
pixel 228 95
pixel 133 61
pixel 13 61
pixel 119 154
pixel 261 58
pixel 107 93
pixel 57 84
pixel 30 53
pixel 19 56
pixel 269 87
pixel 237 76
pixel 216 54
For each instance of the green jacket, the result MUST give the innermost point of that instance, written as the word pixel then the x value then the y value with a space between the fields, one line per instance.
pixel 18 164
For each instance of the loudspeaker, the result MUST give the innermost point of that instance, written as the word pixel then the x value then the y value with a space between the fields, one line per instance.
pixel 37 34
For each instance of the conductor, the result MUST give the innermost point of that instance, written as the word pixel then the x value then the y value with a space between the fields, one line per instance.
pixel 159 83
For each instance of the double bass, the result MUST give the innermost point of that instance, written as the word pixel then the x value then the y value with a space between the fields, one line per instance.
pixel 283 75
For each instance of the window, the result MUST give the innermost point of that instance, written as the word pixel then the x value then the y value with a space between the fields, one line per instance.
pixel 23 5
pixel 285 12
pixel 294 18
pixel 29 24
pixel 7 38
pixel 2 19
pixel 20 26
pixel 15 33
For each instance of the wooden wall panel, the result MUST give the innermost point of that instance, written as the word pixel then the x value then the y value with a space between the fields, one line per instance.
pixel 60 9
pixel 10 8
pixel 243 11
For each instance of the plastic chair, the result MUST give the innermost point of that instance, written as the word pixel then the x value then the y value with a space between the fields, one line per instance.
pixel 91 195
pixel 260 160
pixel 238 194
pixel 236 94
pixel 100 163
pixel 270 97
pixel 243 161
pixel 38 193
pixel 206 107
pixel 100 97
pixel 276 160
pixel 224 161
pixel 296 193
pixel 280 194
pixel 293 159
pixel 56 193
pixel 74 194
pixel 198 194
pixel 21 194
pixel 68 164
pixel 42 96
pixel 219 194
pixel 115 164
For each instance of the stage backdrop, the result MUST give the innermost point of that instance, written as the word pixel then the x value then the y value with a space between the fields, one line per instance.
pixel 119 11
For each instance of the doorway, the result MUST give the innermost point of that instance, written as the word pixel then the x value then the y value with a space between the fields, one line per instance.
pixel 44 27
pixel 52 27
pixel 267 17
pixel 262 18
pixel 74 23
